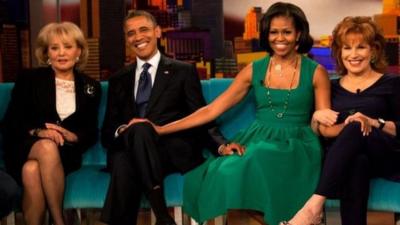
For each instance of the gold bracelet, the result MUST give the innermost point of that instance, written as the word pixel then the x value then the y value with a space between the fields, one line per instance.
pixel 36 131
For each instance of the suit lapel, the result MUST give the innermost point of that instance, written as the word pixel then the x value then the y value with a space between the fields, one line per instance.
pixel 129 85
pixel 161 81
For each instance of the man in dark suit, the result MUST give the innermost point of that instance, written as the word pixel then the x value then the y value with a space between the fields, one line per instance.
pixel 162 90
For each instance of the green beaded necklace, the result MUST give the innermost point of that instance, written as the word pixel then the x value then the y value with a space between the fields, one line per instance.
pixel 281 114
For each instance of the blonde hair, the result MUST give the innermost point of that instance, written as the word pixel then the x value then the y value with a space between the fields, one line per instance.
pixel 370 33
pixel 61 29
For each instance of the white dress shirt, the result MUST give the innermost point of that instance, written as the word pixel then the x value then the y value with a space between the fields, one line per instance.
pixel 153 61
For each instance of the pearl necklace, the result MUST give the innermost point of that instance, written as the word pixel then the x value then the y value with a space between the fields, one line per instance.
pixel 281 114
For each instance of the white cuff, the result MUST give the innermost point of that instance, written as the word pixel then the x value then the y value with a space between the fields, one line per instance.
pixel 116 134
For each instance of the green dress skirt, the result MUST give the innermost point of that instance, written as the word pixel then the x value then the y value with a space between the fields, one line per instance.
pixel 280 168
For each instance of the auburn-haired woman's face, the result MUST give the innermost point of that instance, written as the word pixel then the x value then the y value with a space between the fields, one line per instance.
pixel 356 54
pixel 282 36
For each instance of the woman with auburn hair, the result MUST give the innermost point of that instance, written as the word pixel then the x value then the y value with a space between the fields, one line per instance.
pixel 50 121
pixel 362 143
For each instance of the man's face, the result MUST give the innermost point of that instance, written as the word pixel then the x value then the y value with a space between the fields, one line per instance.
pixel 141 35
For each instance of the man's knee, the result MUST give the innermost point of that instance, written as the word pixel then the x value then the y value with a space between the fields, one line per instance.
pixel 142 128
pixel 140 131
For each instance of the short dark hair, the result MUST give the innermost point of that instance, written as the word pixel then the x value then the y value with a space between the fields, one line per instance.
pixel 370 33
pixel 289 10
pixel 135 13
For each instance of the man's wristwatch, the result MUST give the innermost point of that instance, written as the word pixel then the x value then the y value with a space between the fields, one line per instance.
pixel 381 123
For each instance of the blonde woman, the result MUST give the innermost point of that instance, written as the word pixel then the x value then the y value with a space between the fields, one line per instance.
pixel 51 120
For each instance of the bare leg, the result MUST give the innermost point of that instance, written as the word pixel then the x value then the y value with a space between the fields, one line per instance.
pixel 33 200
pixel 46 153
pixel 311 211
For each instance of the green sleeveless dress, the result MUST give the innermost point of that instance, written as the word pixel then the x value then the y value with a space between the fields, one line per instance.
pixel 280 168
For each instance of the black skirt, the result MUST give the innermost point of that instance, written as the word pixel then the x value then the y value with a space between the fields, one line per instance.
pixel 16 154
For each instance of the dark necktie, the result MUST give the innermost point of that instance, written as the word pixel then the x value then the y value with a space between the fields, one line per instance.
pixel 144 90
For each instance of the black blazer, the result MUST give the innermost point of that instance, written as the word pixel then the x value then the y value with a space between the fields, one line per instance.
pixel 33 103
pixel 176 93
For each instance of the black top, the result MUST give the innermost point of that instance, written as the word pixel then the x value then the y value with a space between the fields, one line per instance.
pixel 380 100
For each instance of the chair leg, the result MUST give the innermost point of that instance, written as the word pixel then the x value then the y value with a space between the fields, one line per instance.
pixel 220 220
pixel 193 222
pixel 86 216
pixel 178 215
pixel 152 217
pixel 10 219
pixel 79 214
pixel 72 216
pixel 186 218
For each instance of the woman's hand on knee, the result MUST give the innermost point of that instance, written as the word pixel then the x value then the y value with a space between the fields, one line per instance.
pixel 144 120
pixel 52 135
pixel 364 121
pixel 66 134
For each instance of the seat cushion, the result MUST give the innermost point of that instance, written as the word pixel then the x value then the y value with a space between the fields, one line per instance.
pixel 384 196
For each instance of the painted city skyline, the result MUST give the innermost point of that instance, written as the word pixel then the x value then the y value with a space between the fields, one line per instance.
pixel 219 36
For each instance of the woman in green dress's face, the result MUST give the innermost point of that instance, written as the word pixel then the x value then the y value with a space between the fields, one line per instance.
pixel 283 37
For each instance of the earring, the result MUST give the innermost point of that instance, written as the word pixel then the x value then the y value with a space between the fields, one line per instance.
pixel 77 59
pixel 48 62
pixel 373 60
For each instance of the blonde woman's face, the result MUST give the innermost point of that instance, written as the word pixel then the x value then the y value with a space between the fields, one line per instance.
pixel 63 53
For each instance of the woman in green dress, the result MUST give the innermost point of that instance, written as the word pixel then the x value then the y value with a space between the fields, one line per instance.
pixel 278 169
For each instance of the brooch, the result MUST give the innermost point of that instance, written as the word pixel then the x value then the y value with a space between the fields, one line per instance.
pixel 89 90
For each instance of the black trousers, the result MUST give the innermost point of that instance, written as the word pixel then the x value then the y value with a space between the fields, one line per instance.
pixel 9 194
pixel 350 161
pixel 142 165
